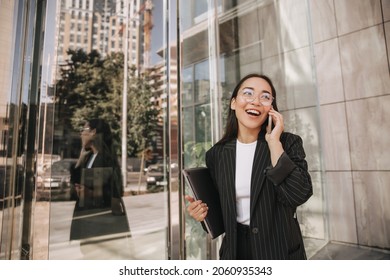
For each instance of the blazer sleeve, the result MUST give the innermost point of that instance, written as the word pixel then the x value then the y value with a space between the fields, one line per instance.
pixel 290 175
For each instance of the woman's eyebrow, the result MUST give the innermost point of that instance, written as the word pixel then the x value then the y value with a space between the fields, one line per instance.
pixel 251 88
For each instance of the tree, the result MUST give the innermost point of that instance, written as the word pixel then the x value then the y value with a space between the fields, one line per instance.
pixel 143 115
pixel 91 87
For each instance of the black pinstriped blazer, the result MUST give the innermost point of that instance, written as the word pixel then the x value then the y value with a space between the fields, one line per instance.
pixel 114 185
pixel 275 194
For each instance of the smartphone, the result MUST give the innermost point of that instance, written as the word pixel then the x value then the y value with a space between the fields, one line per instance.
pixel 269 127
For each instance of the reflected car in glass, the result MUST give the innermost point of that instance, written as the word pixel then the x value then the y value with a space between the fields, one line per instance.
pixel 54 182
pixel 155 181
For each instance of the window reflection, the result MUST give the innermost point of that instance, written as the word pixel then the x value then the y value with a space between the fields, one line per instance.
pixel 98 204
pixel 97 188
pixel 197 140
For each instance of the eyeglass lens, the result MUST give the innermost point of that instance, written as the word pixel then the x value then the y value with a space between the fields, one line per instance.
pixel 84 129
pixel 265 98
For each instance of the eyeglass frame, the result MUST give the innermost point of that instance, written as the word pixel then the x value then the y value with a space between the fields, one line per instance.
pixel 249 100
pixel 84 129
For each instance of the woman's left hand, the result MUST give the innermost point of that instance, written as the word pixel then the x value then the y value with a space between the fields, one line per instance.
pixel 277 120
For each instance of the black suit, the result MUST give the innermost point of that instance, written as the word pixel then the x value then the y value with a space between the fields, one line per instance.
pixel 92 219
pixel 112 186
pixel 275 194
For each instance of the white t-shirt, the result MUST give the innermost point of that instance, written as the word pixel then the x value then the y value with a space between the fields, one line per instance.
pixel 91 160
pixel 244 162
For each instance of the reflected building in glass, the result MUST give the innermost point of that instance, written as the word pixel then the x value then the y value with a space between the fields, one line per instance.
pixel 97 24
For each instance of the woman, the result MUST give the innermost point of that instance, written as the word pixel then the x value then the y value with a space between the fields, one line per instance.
pixel 261 176
pixel 98 167
pixel 99 211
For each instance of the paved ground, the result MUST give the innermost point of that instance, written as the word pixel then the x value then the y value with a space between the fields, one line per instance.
pixel 147 237
pixel 338 251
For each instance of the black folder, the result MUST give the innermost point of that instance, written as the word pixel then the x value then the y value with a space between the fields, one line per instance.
pixel 202 186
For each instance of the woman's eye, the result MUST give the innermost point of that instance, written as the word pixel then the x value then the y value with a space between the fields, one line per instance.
pixel 265 96
pixel 248 93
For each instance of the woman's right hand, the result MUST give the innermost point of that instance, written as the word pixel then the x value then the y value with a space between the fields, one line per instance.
pixel 78 189
pixel 197 209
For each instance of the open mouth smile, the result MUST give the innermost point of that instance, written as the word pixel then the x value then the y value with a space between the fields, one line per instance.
pixel 253 112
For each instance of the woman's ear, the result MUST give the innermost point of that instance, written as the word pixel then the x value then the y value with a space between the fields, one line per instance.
pixel 233 104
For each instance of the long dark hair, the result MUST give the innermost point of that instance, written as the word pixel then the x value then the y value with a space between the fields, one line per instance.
pixel 104 143
pixel 231 130
pixel 104 140
pixel 103 130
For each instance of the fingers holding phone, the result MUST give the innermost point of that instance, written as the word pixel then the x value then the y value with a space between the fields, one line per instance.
pixel 275 125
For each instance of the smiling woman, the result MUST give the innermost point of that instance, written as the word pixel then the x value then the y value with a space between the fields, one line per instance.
pixel 261 176
pixel 249 108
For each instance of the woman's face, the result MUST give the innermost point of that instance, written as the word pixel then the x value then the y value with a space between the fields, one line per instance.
pixel 87 135
pixel 251 114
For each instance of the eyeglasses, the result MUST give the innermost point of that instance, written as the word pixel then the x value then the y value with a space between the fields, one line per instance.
pixel 249 95
pixel 84 129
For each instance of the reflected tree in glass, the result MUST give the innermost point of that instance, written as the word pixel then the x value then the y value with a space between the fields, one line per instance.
pixel 91 86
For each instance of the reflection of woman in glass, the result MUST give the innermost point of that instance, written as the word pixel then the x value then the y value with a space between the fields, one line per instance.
pixel 98 185
pixel 96 153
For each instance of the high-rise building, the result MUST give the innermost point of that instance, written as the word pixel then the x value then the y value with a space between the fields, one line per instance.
pixel 99 25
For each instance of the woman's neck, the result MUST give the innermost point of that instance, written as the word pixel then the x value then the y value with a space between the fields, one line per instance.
pixel 247 137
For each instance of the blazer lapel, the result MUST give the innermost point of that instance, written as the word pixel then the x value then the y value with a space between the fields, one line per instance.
pixel 229 176
pixel 260 162
pixel 86 159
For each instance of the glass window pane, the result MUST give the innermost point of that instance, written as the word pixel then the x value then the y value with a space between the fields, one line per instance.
pixel 187 86
pixel 202 82
pixel 98 180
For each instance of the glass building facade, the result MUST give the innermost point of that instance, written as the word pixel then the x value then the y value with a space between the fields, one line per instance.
pixel 159 75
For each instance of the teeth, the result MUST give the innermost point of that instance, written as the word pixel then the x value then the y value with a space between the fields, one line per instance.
pixel 253 112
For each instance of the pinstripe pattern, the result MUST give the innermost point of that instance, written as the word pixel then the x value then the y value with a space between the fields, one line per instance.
pixel 275 194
